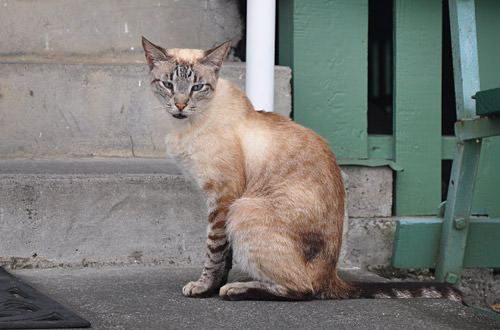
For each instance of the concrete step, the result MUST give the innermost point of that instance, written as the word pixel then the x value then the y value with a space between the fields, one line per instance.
pixel 102 211
pixel 150 298
pixel 99 109
pixel 80 212
pixel 114 28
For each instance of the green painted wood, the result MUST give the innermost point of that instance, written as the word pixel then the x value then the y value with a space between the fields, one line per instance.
pixel 416 243
pixel 483 244
pixel 285 32
pixel 488 102
pixel 458 210
pixel 379 153
pixel 477 128
pixel 465 58
pixel 380 146
pixel 488 312
pixel 371 163
pixel 448 147
pixel 417 239
pixel 488 39
pixel 417 104
pixel 329 64
pixel 487 196
pixel 454 231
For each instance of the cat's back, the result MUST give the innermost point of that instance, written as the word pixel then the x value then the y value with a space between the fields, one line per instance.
pixel 268 140
pixel 278 150
pixel 283 136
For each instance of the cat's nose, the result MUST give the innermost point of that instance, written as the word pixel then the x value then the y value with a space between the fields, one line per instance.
pixel 180 106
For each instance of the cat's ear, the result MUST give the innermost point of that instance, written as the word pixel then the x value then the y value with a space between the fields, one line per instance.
pixel 154 54
pixel 214 57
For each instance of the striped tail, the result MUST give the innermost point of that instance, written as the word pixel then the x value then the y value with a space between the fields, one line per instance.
pixel 382 290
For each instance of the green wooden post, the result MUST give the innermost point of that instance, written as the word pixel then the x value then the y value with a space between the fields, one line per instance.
pixel 466 160
pixel 417 106
pixel 486 195
pixel 325 43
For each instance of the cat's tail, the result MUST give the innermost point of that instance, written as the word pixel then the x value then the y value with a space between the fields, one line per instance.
pixel 381 290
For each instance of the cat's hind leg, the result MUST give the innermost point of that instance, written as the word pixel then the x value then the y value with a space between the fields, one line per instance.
pixel 256 290
pixel 267 246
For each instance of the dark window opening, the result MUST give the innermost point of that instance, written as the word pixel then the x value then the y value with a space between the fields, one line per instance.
pixel 448 105
pixel 445 177
pixel 449 113
pixel 241 47
pixel 380 66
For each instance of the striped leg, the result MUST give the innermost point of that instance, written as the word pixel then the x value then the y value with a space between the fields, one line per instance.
pixel 218 260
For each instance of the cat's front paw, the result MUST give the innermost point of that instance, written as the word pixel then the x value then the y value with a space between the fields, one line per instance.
pixel 198 289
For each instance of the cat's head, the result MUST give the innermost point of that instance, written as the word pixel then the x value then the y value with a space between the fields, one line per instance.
pixel 184 79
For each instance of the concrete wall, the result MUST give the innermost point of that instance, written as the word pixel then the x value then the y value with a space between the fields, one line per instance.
pixel 113 28
pixel 61 109
pixel 369 190
pixel 76 212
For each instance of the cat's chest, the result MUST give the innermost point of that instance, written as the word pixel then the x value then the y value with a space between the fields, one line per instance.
pixel 196 156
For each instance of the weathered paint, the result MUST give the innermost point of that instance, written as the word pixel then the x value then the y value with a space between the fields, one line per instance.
pixel 417 104
pixel 455 227
pixel 371 163
pixel 416 243
pixel 477 128
pixel 488 102
pixel 329 62
pixel 380 146
pixel 458 209
pixel 417 240
pixel 487 196
pixel 465 59
pixel 448 147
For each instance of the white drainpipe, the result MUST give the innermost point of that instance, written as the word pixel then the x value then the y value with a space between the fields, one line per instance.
pixel 260 53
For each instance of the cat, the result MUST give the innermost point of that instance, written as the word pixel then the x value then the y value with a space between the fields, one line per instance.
pixel 274 191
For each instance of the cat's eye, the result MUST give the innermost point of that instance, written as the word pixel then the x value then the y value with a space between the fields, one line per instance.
pixel 197 87
pixel 168 84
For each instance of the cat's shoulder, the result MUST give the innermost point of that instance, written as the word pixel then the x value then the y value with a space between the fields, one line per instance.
pixel 272 117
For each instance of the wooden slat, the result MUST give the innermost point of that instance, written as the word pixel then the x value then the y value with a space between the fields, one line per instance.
pixel 371 163
pixel 417 239
pixel 380 146
pixel 417 104
pixel 448 147
pixel 477 128
pixel 328 55
pixel 488 102
pixel 483 244
pixel 465 59
pixel 416 243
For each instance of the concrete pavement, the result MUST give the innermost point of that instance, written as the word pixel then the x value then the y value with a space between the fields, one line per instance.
pixel 150 298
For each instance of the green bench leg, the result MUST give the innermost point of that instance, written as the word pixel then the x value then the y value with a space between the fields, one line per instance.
pixel 457 213
pixel 466 161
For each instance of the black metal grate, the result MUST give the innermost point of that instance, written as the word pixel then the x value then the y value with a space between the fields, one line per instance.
pixel 22 307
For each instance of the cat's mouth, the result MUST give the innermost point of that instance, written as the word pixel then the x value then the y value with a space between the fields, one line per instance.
pixel 179 116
